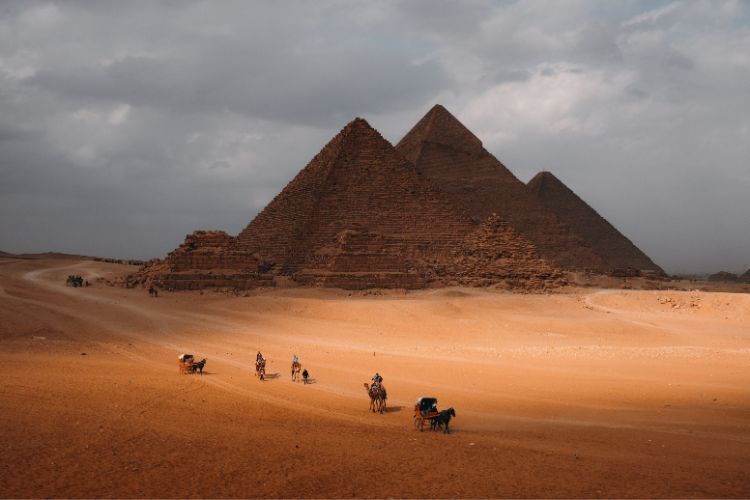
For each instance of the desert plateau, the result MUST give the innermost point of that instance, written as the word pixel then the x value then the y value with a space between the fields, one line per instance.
pixel 586 392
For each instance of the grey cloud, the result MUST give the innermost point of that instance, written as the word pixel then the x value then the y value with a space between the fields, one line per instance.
pixel 126 125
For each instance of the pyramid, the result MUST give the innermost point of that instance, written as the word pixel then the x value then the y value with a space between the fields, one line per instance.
pixel 495 254
pixel 745 278
pixel 357 216
pixel 446 152
pixel 612 246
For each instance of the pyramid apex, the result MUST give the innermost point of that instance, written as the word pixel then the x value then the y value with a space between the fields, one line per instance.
pixel 439 126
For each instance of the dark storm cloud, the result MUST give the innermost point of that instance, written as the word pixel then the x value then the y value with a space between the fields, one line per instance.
pixel 126 125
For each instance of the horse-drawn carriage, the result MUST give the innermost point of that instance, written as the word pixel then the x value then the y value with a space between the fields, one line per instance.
pixel 425 410
pixel 187 364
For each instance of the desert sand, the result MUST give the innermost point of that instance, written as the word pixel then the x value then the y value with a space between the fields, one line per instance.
pixel 584 393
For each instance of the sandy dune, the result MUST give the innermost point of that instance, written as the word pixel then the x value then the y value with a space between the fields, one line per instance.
pixel 581 394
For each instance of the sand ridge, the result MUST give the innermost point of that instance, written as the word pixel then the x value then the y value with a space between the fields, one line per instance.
pixel 584 393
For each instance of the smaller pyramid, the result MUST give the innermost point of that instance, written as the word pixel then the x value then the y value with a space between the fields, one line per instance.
pixel 444 151
pixel 496 254
pixel 610 244
pixel 745 278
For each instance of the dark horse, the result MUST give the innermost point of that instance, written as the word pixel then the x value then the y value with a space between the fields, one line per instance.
pixel 377 397
pixel 198 367
pixel 443 419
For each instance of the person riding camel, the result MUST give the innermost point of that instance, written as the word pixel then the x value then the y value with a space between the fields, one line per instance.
pixel 376 380
pixel 295 360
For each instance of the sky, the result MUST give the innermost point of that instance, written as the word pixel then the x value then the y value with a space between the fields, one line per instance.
pixel 125 126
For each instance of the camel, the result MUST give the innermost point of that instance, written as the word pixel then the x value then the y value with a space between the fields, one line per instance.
pixel 296 367
pixel 260 368
pixel 377 397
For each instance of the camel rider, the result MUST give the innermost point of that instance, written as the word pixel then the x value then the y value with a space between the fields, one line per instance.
pixel 258 357
pixel 376 380
pixel 295 360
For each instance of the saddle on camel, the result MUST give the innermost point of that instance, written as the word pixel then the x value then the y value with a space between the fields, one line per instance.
pixel 377 393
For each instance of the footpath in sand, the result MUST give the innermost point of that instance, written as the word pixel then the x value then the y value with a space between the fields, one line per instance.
pixel 581 394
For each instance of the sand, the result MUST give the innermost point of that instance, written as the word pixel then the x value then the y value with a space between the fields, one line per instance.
pixel 587 393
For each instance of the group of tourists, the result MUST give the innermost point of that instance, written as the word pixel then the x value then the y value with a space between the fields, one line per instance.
pixel 76 280
pixel 260 365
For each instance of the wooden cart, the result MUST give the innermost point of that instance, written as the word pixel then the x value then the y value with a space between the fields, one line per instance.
pixel 425 410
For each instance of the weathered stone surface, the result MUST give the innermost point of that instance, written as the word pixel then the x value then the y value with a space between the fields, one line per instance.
pixel 447 153
pixel 494 254
pixel 617 251
pixel 358 215
pixel 206 259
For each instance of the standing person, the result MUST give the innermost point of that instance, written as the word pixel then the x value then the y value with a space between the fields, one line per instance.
pixel 305 375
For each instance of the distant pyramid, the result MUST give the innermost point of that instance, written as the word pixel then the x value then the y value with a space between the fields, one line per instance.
pixel 607 242
pixel 745 278
pixel 447 153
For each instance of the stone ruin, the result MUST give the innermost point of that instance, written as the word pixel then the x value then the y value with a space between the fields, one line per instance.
pixel 437 210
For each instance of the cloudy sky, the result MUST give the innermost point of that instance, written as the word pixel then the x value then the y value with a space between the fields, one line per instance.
pixel 126 125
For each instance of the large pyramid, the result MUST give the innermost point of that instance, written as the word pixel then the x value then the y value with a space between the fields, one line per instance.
pixel 606 241
pixel 358 216
pixel 447 153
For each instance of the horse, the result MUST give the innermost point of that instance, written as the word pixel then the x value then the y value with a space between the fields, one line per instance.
pixel 295 371
pixel 377 397
pixel 198 367
pixel 152 292
pixel 443 419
